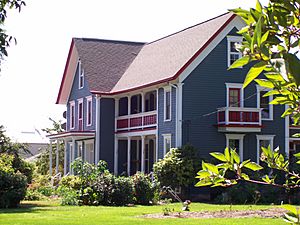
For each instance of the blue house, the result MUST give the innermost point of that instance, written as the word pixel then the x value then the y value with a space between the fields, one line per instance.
pixel 128 103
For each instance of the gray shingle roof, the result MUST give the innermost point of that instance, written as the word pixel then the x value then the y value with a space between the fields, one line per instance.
pixel 105 61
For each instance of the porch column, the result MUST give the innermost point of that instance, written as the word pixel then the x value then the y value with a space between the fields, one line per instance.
pixel 138 155
pixel 57 156
pixel 156 147
pixel 128 154
pixel 50 159
pixel 116 112
pixel 143 155
pixel 129 105
pixel 73 154
pixel 97 137
pixel 116 156
pixel 65 157
pixel 143 102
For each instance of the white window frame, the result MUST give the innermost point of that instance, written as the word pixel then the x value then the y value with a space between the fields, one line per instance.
pixel 89 99
pixel 166 90
pixel 72 112
pixel 86 156
pixel 80 101
pixel 80 149
pixel 259 89
pixel 236 39
pixel 239 137
pixel 259 137
pixel 80 76
pixel 235 85
pixel 167 137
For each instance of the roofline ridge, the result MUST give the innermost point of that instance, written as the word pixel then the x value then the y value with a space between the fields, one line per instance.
pixel 108 40
pixel 208 20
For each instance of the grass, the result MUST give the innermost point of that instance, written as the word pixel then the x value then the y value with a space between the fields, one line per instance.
pixel 51 213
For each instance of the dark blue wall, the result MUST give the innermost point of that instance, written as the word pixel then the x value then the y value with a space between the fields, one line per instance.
pixel 204 91
pixel 166 127
pixel 76 94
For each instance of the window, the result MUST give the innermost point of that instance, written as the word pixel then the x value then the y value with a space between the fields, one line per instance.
pixel 167 143
pixel 89 101
pixel 263 103
pixel 80 114
pixel 89 151
pixel 72 115
pixel 235 141
pixel 235 95
pixel 263 141
pixel 233 54
pixel 81 75
pixel 167 104
pixel 79 149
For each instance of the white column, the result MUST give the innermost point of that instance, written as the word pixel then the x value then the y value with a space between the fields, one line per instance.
pixel 65 157
pixel 143 155
pixel 50 159
pixel 129 105
pixel 138 154
pixel 116 156
pixel 73 153
pixel 179 119
pixel 157 126
pixel 57 157
pixel 97 148
pixel 143 102
pixel 287 134
pixel 128 154
pixel 156 147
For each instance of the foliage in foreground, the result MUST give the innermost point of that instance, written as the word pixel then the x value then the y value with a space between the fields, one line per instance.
pixel 178 167
pixel 94 185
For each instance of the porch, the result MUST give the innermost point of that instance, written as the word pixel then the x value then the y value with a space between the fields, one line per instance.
pixel 137 152
pixel 75 144
pixel 136 112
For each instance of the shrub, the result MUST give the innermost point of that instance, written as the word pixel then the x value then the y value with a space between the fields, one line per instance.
pixel 68 196
pixel 13 189
pixel 144 189
pixel 73 182
pixel 33 195
pixel 122 191
pixel 12 184
pixel 178 167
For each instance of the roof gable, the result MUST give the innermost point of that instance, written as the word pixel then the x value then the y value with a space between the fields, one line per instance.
pixel 104 62
pixel 113 67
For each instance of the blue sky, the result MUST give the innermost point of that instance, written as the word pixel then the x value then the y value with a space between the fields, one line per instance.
pixel 31 75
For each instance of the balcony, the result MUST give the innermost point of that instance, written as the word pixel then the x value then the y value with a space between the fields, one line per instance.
pixel 236 119
pixel 140 121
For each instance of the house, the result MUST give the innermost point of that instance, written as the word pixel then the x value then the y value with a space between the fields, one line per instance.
pixel 129 102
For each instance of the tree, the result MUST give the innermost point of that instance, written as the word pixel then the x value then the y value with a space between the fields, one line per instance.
pixel 271 46
pixel 6 39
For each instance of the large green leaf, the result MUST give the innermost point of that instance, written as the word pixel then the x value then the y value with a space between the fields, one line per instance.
pixel 240 62
pixel 219 156
pixel 290 208
pixel 254 72
pixel 293 66
pixel 253 166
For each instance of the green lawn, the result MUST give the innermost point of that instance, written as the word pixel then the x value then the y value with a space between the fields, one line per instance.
pixel 51 213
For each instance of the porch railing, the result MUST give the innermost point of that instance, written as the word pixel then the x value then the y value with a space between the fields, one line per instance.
pixel 239 116
pixel 136 121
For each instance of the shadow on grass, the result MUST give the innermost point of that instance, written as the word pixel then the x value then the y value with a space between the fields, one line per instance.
pixel 27 207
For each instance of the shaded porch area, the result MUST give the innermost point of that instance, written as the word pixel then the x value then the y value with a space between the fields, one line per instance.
pixel 76 144
pixel 135 153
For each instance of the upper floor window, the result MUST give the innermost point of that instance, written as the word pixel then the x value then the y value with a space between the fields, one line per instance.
pixel 167 104
pixel 89 111
pixel 81 75
pixel 80 114
pixel 72 115
pixel 233 53
pixel 263 103
pixel 235 95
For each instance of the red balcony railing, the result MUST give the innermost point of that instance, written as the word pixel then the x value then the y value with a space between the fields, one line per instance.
pixel 239 117
pixel 136 121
